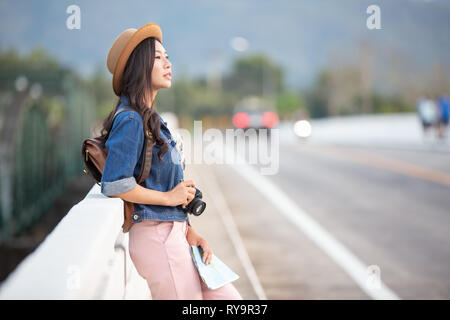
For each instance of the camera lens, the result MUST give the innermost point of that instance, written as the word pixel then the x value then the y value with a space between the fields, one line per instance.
pixel 198 207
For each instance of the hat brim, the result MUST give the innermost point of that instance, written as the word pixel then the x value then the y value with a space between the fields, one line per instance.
pixel 147 31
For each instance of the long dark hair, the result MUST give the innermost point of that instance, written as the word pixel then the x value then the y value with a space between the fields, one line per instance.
pixel 137 87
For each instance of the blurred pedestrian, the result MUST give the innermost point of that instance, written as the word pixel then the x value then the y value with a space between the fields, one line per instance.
pixel 443 103
pixel 427 111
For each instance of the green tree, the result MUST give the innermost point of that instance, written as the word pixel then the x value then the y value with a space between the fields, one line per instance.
pixel 288 102
pixel 317 96
pixel 254 75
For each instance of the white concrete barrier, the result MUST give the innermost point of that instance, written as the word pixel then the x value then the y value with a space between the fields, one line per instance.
pixel 85 257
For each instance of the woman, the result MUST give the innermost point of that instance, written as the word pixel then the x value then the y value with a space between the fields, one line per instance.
pixel 161 233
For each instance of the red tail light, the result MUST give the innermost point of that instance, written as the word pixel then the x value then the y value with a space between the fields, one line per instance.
pixel 269 119
pixel 241 120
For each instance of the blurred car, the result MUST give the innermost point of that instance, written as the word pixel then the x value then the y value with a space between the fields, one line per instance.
pixel 254 112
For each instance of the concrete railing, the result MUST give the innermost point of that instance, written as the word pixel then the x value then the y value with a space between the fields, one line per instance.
pixel 85 257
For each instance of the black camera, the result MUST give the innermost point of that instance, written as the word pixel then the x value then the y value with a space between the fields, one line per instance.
pixel 197 205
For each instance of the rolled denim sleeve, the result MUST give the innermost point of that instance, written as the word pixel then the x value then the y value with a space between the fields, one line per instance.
pixel 124 144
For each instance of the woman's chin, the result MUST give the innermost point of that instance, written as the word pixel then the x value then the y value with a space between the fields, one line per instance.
pixel 163 86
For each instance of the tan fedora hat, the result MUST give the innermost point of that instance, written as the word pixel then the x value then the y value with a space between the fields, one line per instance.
pixel 122 48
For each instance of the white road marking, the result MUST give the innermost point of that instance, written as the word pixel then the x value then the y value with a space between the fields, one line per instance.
pixel 342 256
pixel 233 232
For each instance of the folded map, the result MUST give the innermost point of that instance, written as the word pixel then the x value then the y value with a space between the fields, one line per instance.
pixel 216 273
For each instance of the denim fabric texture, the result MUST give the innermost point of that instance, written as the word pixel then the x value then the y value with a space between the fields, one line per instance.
pixel 123 165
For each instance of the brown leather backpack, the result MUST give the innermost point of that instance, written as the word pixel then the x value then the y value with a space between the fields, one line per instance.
pixel 94 153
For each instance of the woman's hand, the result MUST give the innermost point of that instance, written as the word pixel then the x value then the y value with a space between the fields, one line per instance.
pixel 183 193
pixel 194 239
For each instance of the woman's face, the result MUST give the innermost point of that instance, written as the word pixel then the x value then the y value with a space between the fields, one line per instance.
pixel 162 68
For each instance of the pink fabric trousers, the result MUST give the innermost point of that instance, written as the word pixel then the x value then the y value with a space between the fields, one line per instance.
pixel 161 255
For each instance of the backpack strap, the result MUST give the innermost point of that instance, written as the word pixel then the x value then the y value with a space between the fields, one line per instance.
pixel 120 110
pixel 147 160
pixel 149 142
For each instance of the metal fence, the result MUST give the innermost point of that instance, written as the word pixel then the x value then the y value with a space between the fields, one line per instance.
pixel 42 126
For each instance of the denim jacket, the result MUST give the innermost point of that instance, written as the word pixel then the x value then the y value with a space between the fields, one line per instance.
pixel 123 165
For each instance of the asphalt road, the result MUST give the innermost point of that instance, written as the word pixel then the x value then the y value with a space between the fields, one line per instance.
pixel 390 208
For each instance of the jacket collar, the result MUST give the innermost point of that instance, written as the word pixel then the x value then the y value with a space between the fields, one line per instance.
pixel 125 102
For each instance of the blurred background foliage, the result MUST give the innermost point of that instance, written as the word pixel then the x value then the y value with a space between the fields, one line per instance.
pixel 60 107
pixel 343 90
pixel 46 110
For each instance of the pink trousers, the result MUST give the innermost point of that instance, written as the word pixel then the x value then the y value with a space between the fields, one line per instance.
pixel 161 255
